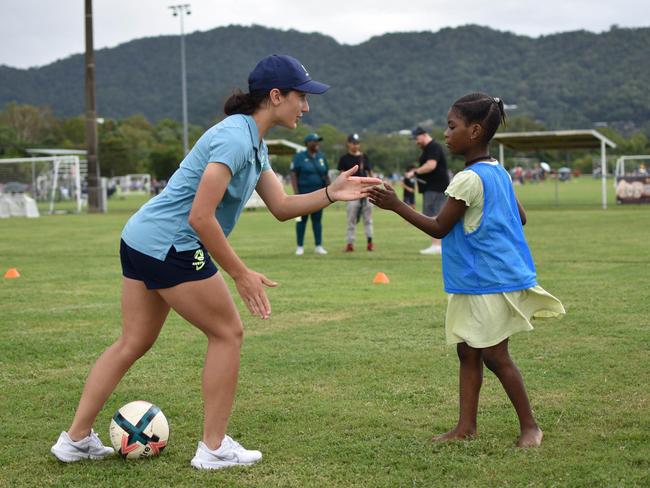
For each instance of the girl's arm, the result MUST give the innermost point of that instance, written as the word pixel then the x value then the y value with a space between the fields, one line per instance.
pixel 438 226
pixel 522 212
pixel 250 284
pixel 285 207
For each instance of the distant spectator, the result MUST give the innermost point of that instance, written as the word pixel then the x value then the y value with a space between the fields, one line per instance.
pixel 432 179
pixel 308 174
pixel 357 209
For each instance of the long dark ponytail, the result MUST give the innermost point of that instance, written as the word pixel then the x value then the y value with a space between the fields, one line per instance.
pixel 247 103
pixel 479 108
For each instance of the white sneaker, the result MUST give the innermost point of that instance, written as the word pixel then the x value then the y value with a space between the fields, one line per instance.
pixel 432 250
pixel 300 251
pixel 230 453
pixel 90 447
pixel 320 250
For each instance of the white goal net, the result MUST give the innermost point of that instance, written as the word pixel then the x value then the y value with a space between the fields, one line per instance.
pixel 53 184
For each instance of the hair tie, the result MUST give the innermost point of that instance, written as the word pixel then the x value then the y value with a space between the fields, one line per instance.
pixel 496 100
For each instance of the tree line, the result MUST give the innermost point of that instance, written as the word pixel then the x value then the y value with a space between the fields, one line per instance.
pixel 569 80
pixel 136 145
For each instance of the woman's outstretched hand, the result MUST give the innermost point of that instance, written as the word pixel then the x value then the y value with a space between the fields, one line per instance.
pixel 349 187
pixel 250 286
pixel 385 198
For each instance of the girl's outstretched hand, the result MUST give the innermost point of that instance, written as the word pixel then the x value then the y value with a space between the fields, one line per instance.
pixel 385 198
pixel 349 187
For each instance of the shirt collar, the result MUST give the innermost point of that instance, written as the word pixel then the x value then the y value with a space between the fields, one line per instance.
pixel 254 133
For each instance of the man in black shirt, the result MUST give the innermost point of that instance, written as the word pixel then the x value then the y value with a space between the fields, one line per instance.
pixel 432 179
pixel 357 208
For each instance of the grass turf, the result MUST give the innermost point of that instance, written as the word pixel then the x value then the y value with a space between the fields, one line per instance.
pixel 347 381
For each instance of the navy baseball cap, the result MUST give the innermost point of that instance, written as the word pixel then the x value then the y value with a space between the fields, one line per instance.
pixel 283 72
pixel 418 131
pixel 354 138
pixel 312 137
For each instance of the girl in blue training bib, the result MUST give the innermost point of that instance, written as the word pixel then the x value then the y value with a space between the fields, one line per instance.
pixel 488 270
pixel 166 248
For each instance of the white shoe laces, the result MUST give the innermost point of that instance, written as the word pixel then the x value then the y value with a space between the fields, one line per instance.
pixel 233 443
pixel 95 438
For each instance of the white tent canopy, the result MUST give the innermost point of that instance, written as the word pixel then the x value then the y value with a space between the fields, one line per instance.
pixel 558 139
pixel 282 147
pixel 57 152
pixel 277 147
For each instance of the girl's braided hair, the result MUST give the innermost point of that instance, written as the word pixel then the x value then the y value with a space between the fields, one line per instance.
pixel 482 109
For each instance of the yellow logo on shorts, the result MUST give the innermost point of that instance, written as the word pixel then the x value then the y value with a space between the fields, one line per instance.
pixel 199 260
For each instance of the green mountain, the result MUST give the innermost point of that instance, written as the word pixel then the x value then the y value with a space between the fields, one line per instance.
pixel 390 82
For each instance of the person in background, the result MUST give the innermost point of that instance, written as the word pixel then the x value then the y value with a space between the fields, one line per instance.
pixel 408 184
pixel 357 209
pixel 308 174
pixel 432 178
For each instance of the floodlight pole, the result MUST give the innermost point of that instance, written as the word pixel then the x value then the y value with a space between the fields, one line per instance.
pixel 94 175
pixel 181 11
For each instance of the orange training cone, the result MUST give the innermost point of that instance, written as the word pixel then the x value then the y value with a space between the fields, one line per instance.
pixel 380 279
pixel 12 273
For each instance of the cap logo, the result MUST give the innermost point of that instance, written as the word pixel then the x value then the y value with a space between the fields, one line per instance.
pixel 304 69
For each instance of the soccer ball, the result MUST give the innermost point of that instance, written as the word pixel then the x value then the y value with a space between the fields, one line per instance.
pixel 139 429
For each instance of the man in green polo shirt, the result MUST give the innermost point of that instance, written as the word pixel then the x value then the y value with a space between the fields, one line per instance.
pixel 309 173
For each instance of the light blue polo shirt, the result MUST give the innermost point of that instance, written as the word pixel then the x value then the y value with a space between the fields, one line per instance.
pixel 162 222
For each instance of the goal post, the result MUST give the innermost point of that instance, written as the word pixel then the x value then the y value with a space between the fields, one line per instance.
pixel 55 181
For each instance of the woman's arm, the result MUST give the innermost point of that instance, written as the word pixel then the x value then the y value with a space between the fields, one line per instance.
pixel 285 207
pixel 212 187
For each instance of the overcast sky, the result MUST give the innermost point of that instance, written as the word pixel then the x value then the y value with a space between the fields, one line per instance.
pixel 38 32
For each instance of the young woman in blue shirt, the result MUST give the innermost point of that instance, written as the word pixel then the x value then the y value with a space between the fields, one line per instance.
pixel 164 253
pixel 488 270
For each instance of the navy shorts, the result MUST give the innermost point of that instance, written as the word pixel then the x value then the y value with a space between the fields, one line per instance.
pixel 177 268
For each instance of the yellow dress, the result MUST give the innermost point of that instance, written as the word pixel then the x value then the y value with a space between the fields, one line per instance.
pixel 485 320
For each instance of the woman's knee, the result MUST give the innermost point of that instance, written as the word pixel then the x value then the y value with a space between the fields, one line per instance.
pixel 230 330
pixel 134 348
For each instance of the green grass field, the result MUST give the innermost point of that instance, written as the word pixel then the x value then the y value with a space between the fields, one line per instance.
pixel 347 381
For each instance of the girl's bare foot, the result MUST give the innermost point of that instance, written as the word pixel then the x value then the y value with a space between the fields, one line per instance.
pixel 456 434
pixel 530 437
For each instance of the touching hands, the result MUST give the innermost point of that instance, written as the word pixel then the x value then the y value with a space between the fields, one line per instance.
pixel 349 187
pixel 250 286
pixel 385 198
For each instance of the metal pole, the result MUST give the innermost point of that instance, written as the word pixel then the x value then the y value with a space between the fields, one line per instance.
pixel 91 115
pixel 184 86
pixel 501 155
pixel 182 10
pixel 603 170
pixel 55 179
pixel 77 177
